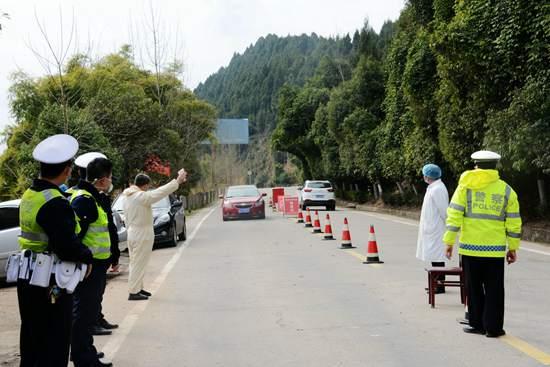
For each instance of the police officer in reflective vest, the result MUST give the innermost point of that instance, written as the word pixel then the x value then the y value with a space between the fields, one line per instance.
pixel 94 233
pixel 48 224
pixel 102 326
pixel 485 210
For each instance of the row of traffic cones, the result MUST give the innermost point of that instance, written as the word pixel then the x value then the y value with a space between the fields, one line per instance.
pixel 372 247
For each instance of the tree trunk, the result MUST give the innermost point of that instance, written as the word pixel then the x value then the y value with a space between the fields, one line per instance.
pixel 400 188
pixel 375 191
pixel 542 193
pixel 414 189
pixel 356 187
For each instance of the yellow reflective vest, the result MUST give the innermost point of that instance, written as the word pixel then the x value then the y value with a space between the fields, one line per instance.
pixel 485 210
pixel 97 236
pixel 33 237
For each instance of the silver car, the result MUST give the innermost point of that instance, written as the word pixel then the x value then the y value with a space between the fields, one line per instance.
pixel 9 231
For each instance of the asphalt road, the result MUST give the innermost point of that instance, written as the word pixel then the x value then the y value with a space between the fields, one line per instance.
pixel 270 293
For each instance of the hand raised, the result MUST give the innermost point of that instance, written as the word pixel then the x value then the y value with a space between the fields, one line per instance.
pixel 182 176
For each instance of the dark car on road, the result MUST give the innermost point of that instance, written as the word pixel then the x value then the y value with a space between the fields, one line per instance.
pixel 168 220
pixel 240 202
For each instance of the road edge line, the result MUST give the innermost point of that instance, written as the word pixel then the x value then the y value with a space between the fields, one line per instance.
pixel 116 340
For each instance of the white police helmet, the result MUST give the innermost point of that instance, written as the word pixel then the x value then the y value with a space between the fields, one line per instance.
pixel 56 149
pixel 486 156
pixel 83 160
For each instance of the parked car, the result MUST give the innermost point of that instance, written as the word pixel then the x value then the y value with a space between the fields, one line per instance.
pixel 9 232
pixel 169 221
pixel 243 202
pixel 317 193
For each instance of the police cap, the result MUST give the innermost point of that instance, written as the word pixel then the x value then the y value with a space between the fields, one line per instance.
pixel 486 156
pixel 83 160
pixel 56 149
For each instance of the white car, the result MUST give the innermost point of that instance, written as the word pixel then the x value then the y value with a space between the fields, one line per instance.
pixel 9 232
pixel 317 193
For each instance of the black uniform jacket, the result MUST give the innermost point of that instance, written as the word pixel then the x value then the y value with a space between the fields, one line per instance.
pixel 86 210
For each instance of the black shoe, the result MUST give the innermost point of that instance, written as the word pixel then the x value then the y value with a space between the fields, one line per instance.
pixel 100 355
pixel 495 335
pixel 437 291
pixel 98 330
pixel 107 325
pixel 145 293
pixel 473 330
pixel 137 297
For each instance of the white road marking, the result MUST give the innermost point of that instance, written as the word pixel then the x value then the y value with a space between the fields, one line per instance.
pixel 386 217
pixel 117 339
pixel 389 218
pixel 534 251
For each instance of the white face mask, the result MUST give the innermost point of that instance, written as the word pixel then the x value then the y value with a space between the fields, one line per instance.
pixel 109 190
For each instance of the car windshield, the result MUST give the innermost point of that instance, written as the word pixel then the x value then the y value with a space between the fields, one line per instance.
pixel 162 204
pixel 241 192
pixel 118 205
pixel 319 185
pixel 9 218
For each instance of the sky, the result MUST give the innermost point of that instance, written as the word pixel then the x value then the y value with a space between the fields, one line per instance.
pixel 204 33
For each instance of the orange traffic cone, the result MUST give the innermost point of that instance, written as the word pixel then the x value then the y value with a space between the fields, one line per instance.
pixel 300 217
pixel 308 219
pixel 316 223
pixel 372 250
pixel 328 230
pixel 346 236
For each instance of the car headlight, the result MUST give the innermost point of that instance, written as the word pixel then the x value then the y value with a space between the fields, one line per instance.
pixel 165 218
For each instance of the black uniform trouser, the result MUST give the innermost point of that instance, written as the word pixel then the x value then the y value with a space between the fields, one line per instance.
pixel 100 315
pixel 86 305
pixel 485 279
pixel 45 327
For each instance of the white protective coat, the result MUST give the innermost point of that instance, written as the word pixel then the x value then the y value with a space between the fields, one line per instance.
pixel 430 246
pixel 139 221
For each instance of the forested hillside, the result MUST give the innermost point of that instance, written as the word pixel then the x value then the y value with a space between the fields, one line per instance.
pixel 249 86
pixel 458 76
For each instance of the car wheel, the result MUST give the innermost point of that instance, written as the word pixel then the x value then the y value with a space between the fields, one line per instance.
pixel 174 240
pixel 304 207
pixel 225 219
pixel 183 235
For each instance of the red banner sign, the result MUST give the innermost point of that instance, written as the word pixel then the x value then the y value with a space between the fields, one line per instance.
pixel 291 205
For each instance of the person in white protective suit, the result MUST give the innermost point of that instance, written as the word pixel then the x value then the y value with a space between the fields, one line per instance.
pixel 430 247
pixel 139 221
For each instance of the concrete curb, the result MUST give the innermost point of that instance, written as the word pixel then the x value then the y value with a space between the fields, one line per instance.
pixel 530 233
